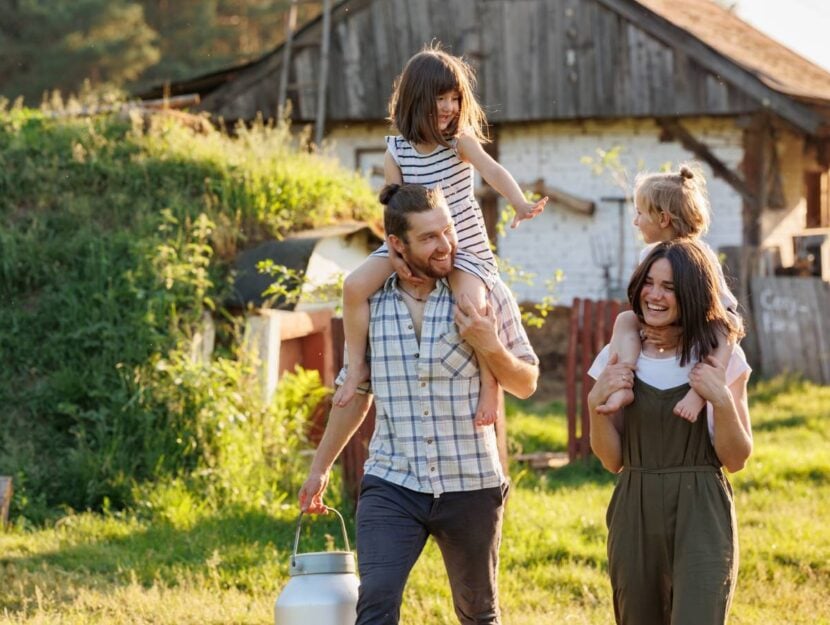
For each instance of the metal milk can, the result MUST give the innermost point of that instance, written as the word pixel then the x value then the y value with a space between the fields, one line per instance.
pixel 322 589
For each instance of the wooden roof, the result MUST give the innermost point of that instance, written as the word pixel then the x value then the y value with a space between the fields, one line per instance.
pixel 540 60
pixel 775 64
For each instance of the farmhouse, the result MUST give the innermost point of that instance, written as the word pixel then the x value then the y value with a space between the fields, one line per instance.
pixel 581 95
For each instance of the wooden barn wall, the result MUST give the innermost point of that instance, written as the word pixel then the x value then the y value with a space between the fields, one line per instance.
pixel 536 59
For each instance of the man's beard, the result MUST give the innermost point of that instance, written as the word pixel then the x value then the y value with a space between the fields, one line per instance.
pixel 425 269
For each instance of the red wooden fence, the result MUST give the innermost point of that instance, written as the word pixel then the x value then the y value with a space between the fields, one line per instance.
pixel 592 323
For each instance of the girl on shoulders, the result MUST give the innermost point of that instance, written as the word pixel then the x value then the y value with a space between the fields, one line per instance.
pixel 442 128
pixel 670 206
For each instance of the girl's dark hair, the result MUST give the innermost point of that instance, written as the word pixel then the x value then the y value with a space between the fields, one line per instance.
pixel 412 106
pixel 703 319
pixel 401 199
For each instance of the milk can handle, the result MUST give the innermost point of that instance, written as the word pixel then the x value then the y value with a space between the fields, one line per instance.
pixel 299 524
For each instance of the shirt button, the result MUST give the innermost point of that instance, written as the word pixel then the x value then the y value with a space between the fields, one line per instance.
pixel 432 469
pixel 429 441
pixel 423 383
pixel 409 326
pixel 417 355
pixel 426 413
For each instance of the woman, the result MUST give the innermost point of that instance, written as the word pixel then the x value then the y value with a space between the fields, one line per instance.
pixel 672 540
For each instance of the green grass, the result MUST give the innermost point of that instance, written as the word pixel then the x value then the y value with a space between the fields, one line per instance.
pixel 182 564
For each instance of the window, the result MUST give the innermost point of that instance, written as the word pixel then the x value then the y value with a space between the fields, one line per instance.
pixel 817 193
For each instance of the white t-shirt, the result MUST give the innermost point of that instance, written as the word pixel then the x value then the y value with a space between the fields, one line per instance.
pixel 664 373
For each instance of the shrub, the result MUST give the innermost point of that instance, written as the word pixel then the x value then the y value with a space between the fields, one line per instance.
pixel 115 236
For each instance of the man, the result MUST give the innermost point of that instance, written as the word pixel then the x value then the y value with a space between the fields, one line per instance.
pixel 431 471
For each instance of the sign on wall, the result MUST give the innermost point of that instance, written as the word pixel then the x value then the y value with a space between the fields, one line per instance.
pixel 792 320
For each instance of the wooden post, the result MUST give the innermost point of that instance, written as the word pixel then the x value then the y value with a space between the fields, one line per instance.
pixel 322 84
pixel 570 377
pixel 5 499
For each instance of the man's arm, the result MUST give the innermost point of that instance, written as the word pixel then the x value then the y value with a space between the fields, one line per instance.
pixel 518 377
pixel 342 424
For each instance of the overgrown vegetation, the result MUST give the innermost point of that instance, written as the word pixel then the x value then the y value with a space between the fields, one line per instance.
pixel 193 565
pixel 116 235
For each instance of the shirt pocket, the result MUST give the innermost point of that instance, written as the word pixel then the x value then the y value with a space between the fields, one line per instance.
pixel 457 358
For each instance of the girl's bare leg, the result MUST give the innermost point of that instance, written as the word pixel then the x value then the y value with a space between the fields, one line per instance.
pixel 692 404
pixel 626 343
pixel 463 283
pixel 357 289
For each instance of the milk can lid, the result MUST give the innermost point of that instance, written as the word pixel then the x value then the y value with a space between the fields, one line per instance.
pixel 322 562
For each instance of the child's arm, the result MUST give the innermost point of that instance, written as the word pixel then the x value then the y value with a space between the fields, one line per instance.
pixel 391 172
pixel 467 287
pixel 626 344
pixel 470 150
pixel 692 403
pixel 357 289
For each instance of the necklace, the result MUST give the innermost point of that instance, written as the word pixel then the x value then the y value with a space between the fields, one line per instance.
pixel 417 299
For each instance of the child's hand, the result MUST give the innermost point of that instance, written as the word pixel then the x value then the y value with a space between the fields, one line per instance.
pixel 402 269
pixel 664 337
pixel 528 210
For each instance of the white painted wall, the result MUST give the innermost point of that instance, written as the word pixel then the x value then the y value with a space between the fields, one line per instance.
pixel 332 257
pixel 359 146
pixel 560 240
pixel 563 240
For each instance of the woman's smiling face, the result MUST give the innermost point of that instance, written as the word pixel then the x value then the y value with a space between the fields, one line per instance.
pixel 657 297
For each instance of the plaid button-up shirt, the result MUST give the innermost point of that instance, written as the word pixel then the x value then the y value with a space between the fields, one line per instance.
pixel 426 393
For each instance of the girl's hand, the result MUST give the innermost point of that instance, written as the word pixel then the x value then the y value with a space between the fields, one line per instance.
pixel 708 379
pixel 664 337
pixel 528 210
pixel 402 269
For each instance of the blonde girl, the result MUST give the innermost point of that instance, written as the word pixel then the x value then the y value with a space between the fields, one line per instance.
pixel 442 128
pixel 669 206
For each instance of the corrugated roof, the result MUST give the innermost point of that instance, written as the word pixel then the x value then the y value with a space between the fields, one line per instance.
pixel 775 64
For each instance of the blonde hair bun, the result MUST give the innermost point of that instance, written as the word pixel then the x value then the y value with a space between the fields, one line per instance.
pixel 686 172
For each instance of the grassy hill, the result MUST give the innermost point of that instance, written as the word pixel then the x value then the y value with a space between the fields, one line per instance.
pixel 116 235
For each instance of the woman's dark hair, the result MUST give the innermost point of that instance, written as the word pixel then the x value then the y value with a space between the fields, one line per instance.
pixel 401 199
pixel 702 317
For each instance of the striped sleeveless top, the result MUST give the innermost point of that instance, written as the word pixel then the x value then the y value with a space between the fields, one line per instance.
pixel 443 167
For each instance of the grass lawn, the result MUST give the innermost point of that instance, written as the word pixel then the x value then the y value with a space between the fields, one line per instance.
pixel 188 566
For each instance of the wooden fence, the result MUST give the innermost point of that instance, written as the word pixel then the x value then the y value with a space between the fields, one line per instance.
pixel 5 499
pixel 792 322
pixel 592 323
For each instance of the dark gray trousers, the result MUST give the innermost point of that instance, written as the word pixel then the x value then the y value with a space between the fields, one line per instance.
pixel 393 524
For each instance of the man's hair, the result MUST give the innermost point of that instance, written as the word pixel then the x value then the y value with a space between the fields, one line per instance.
pixel 399 200
pixel 412 106
pixel 702 317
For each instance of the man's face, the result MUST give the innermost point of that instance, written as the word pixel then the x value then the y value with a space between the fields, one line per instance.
pixel 430 244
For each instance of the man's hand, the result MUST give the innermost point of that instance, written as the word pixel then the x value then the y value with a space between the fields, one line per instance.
pixel 402 269
pixel 477 329
pixel 311 494
pixel 664 337
pixel 708 379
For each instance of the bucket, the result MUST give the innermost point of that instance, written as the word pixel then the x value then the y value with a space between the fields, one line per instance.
pixel 322 589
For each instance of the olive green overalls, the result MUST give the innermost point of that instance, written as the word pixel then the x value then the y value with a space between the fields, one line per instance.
pixel 672 538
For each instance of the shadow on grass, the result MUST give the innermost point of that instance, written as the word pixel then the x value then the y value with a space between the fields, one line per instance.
pixel 242 540
pixel 795 421
pixel 572 475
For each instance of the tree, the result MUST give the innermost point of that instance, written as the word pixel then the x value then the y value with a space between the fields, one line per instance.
pixel 60 43
pixel 131 44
